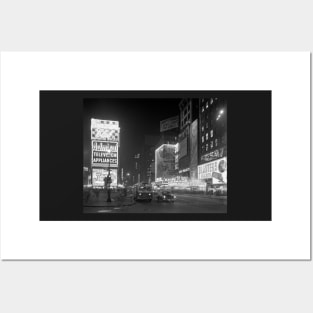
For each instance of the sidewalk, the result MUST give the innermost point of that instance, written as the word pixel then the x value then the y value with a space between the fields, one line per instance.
pixel 100 199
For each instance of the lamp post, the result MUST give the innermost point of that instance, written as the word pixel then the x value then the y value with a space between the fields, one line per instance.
pixel 109 178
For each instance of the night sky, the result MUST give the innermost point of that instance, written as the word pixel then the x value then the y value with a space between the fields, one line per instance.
pixel 137 118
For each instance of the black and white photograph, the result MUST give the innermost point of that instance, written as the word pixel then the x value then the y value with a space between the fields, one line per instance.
pixel 155 155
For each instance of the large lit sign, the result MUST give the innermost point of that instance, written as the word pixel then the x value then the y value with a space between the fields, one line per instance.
pixel 215 154
pixel 99 174
pixel 165 161
pixel 177 179
pixel 105 130
pixel 104 154
pixel 193 149
pixel 217 170
pixel 183 148
pixel 169 123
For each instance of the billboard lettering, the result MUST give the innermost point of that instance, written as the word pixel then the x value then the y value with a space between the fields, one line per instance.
pixel 216 170
pixel 104 154
pixel 169 123
pixel 215 154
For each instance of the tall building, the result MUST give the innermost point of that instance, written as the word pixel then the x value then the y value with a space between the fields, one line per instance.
pixel 188 138
pixel 148 158
pixel 213 141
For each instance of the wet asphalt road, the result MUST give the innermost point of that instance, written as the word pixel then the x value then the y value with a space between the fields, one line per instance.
pixel 184 203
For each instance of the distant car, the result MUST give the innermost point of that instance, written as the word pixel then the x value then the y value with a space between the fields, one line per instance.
pixel 143 194
pixel 166 196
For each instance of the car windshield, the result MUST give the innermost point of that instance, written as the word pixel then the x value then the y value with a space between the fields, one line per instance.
pixel 145 188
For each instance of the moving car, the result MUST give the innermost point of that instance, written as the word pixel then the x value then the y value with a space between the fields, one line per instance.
pixel 143 192
pixel 166 196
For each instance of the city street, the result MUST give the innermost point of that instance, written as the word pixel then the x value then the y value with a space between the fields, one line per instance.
pixel 185 203
pixel 140 153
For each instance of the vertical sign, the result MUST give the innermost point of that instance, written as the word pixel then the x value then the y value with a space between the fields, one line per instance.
pixel 194 149
pixel 105 137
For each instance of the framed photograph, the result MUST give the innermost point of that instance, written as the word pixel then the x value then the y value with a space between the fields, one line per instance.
pixel 158 156
pixel 155 155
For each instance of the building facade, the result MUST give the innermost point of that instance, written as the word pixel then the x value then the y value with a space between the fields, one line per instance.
pixel 188 138
pixel 213 141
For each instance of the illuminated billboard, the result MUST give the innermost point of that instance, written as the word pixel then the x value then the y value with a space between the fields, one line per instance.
pixel 194 149
pixel 165 161
pixel 215 154
pixel 183 148
pixel 105 130
pixel 217 170
pixel 104 154
pixel 99 174
pixel 169 123
pixel 183 142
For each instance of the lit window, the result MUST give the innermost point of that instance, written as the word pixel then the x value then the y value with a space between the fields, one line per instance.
pixel 211 133
pixel 207 105
pixel 203 109
pixel 206 147
pixel 202 138
pixel 202 128
pixel 216 142
pixel 206 136
pixel 211 144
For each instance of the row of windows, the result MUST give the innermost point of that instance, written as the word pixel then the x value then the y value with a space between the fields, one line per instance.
pixel 185 115
pixel 207 136
pixel 206 106
pixel 213 143
pixel 206 146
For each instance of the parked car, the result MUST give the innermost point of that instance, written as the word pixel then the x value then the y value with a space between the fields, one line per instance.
pixel 166 196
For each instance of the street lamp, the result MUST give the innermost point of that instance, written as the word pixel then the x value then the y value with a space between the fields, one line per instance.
pixel 220 115
pixel 109 178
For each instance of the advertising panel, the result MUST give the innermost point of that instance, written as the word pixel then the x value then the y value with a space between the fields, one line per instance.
pixel 182 148
pixel 105 130
pixel 194 149
pixel 183 142
pixel 169 123
pixel 104 154
pixel 215 170
pixel 214 155
pixel 165 161
pixel 98 175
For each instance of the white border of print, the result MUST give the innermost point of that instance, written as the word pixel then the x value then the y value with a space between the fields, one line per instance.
pixel 287 236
